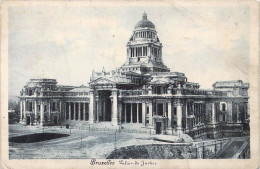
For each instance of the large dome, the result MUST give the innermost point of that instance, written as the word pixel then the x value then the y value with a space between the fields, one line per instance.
pixel 144 23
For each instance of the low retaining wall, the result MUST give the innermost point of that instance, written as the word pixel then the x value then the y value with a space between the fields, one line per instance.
pixel 154 151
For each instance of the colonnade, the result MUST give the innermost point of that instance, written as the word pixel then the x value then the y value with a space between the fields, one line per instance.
pixel 102 110
pixel 37 106
pixel 144 51
pixel 140 112
pixel 139 51
pixel 77 111
pixel 145 113
pixel 145 34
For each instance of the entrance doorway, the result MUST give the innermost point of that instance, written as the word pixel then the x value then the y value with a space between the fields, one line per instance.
pixel 104 105
pixel 28 120
pixel 55 120
pixel 158 127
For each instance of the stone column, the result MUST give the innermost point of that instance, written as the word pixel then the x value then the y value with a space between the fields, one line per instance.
pixel 24 109
pixel 100 108
pixel 193 108
pixel 74 111
pixel 79 111
pixel 69 111
pixel 84 111
pixel 97 110
pixel 137 110
pixel 49 113
pixel 60 107
pixel 35 112
pixel 238 114
pixel 104 111
pixel 65 111
pixel 41 116
pixel 120 111
pixel 114 114
pixel 150 114
pixel 248 111
pixel 179 117
pixel 213 113
pixel 91 108
pixel 60 110
pixel 186 113
pixel 143 113
pixel 131 113
pixel 169 114
pixel 164 108
pixel 111 107
pixel 21 111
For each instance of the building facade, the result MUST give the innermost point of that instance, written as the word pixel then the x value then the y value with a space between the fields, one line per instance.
pixel 143 90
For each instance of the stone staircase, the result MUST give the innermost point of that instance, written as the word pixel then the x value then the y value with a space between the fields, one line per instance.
pixel 231 149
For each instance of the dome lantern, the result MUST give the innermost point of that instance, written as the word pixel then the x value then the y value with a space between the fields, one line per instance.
pixel 145 16
pixel 144 23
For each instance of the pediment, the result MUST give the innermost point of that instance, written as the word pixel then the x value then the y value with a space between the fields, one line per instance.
pixel 102 80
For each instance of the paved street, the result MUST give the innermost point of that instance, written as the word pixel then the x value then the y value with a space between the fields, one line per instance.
pixel 80 144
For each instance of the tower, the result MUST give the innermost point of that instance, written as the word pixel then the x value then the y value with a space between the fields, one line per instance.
pixel 144 49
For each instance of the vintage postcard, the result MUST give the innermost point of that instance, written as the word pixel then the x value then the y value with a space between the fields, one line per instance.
pixel 129 84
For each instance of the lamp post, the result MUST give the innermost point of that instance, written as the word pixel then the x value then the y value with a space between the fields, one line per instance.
pixel 115 142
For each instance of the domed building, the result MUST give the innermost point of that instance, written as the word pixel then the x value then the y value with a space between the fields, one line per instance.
pixel 142 93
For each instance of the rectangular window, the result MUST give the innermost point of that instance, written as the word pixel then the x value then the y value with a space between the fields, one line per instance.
pixel 30 92
pixel 223 107
pixel 53 106
pixel 175 111
pixel 160 109
pixel 30 106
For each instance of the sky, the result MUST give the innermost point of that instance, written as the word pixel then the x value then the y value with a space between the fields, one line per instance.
pixel 66 43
